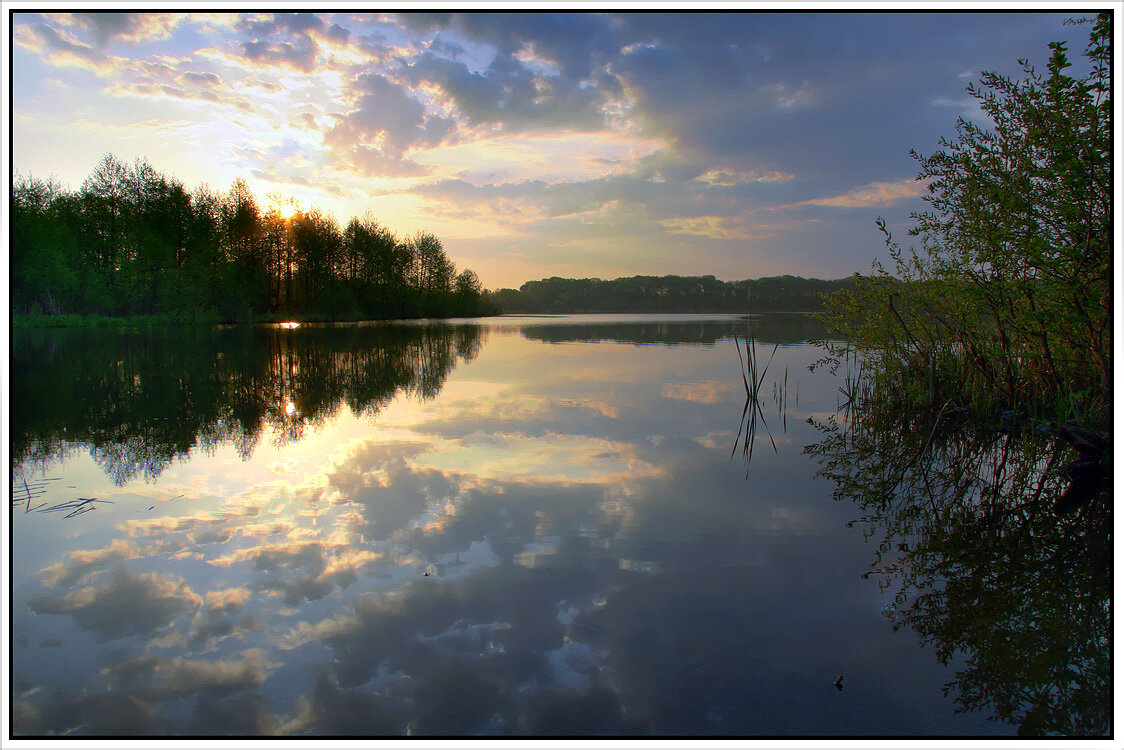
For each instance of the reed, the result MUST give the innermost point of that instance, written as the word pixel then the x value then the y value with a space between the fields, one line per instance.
pixel 753 376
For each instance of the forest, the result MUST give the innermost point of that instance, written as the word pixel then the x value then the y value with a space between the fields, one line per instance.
pixel 135 242
pixel 669 294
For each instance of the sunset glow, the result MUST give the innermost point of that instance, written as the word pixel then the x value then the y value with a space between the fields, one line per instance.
pixel 533 145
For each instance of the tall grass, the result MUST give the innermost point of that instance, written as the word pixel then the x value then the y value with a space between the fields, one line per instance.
pixel 752 378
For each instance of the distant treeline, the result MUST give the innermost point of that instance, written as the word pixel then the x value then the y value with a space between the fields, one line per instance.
pixel 668 294
pixel 133 241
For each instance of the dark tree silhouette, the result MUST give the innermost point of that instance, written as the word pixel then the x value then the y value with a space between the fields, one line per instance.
pixel 133 241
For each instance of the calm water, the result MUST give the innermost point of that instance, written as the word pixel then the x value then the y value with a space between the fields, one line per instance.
pixel 517 525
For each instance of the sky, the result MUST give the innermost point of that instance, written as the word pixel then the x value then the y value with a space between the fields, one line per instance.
pixel 740 144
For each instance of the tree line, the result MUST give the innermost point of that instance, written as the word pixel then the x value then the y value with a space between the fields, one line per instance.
pixel 668 294
pixel 134 241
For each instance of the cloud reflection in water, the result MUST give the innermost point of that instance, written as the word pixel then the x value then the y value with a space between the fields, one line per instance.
pixel 595 566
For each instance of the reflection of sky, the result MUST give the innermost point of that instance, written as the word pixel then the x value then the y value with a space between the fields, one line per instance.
pixel 595 560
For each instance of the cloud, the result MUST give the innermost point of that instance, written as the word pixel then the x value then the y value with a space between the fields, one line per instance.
pixel 108 714
pixel 288 40
pixel 708 392
pixel 83 563
pixel 547 155
pixel 123 604
pixel 154 677
pixel 729 177
pixel 193 93
pixel 300 54
pixel 63 49
pixel 712 227
pixel 126 27
pixel 330 711
pixel 871 195
pixel 301 571
pixel 388 491
pixel 229 601
pixel 384 122
pixel 266 24
pixel 383 109
pixel 212 628
pixel 508 93
pixel 201 79
pixel 199 528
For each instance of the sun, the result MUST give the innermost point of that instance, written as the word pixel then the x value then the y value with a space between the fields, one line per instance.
pixel 284 206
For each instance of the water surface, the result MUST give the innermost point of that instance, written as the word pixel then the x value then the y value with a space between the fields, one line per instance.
pixel 507 526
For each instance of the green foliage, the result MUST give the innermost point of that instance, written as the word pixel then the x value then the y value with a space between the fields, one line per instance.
pixel 667 294
pixel 996 529
pixel 133 242
pixel 1006 301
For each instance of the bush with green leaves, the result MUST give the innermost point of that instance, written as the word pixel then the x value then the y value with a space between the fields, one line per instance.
pixel 1005 301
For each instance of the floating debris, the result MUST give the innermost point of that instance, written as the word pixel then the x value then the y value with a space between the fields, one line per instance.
pixel 76 507
pixel 30 491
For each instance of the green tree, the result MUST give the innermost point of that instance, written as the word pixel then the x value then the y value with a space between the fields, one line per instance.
pixel 135 241
pixel 246 281
pixel 1006 300
pixel 41 242
pixel 317 244
pixel 998 540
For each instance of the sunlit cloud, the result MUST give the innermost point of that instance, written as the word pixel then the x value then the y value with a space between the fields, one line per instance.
pixel 875 194
pixel 728 177
pixel 713 227
pixel 82 563
pixel 168 91
pixel 790 97
pixel 548 156
pixel 229 601
pixel 535 61
pixel 62 49
pixel 301 570
pixel 554 458
pixel 629 139
pixel 132 28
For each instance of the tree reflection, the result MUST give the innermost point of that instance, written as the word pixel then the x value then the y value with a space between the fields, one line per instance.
pixel 772 328
pixel 1011 593
pixel 141 400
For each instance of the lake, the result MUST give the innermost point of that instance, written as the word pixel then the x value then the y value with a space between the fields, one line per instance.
pixel 518 525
